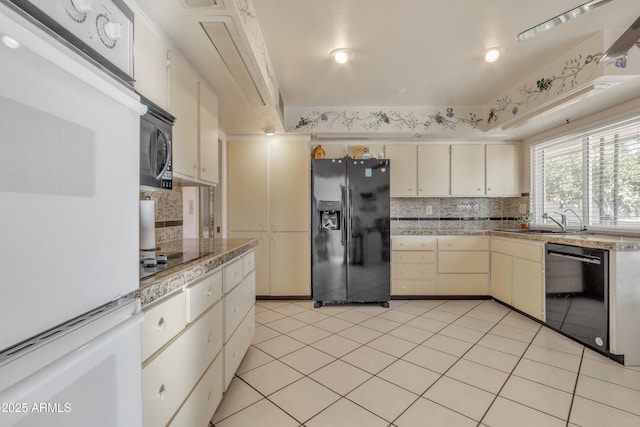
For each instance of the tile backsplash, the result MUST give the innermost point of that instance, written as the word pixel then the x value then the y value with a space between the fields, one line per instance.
pixel 457 213
pixel 168 212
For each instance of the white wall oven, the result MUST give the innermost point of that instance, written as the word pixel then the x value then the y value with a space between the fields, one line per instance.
pixel 69 190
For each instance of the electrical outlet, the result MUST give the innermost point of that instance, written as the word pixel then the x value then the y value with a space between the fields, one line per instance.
pixel 429 210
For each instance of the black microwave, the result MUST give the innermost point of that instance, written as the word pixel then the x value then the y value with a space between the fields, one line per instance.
pixel 155 147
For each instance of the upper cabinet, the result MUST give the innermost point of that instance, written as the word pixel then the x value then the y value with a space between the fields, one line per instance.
pixel 208 135
pixel 502 170
pixel 467 170
pixel 433 170
pixel 183 104
pixel 151 63
pixel 403 173
pixel 167 80
pixel 195 133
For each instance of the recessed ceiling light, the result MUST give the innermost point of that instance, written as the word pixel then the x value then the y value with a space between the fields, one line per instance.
pixel 270 131
pixel 493 54
pixel 342 55
pixel 10 43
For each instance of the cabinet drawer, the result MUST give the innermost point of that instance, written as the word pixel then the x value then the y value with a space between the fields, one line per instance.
pixel 161 323
pixel 238 302
pixel 413 243
pixel 463 284
pixel 232 275
pixel 202 403
pixel 248 263
pixel 167 379
pixel 463 243
pixel 521 250
pixel 463 262
pixel 413 256
pixel 237 346
pixel 203 294
pixel 414 287
pixel 413 271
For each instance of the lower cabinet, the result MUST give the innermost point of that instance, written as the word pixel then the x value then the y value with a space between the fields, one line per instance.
pixel 413 266
pixel 517 274
pixel 439 265
pixel 193 343
pixel 463 265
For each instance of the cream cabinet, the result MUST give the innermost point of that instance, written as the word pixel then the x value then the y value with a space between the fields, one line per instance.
pixel 150 63
pixel 195 132
pixel 248 184
pixel 183 104
pixel 413 265
pixel 268 181
pixel 208 135
pixel 404 170
pixel 517 274
pixel 239 301
pixel 290 266
pixel 193 342
pixel 467 170
pixel 433 170
pixel 463 265
pixel 502 170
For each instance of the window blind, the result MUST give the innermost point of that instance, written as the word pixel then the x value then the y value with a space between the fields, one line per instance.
pixel 594 173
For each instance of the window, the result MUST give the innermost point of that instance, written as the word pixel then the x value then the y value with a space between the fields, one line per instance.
pixel 595 173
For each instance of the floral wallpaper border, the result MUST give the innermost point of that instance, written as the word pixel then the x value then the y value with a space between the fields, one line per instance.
pixel 568 73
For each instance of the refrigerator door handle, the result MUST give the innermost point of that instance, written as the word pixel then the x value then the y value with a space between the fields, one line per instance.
pixel 343 207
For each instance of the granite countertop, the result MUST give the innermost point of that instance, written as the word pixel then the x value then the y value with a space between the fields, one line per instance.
pixel 203 255
pixel 587 239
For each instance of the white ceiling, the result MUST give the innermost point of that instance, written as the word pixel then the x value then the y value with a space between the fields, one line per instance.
pixel 407 52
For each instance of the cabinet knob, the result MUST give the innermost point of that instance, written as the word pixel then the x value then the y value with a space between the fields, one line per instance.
pixel 162 325
pixel 209 292
pixel 210 337
pixel 161 392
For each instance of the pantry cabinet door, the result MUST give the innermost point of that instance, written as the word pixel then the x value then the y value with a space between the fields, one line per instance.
pixel 248 184
pixel 289 192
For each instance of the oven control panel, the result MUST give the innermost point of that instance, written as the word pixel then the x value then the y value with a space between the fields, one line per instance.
pixel 104 27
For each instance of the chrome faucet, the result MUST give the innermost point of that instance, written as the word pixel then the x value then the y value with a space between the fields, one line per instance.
pixel 582 227
pixel 563 219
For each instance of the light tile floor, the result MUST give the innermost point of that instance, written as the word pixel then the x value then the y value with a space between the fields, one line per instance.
pixel 421 363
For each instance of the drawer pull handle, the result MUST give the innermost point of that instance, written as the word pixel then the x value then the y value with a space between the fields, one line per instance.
pixel 235 309
pixel 210 337
pixel 162 325
pixel 161 392
pixel 209 292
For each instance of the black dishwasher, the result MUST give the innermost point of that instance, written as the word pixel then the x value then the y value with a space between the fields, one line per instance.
pixel 577 293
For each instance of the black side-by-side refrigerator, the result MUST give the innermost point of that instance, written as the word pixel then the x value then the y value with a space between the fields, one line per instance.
pixel 350 237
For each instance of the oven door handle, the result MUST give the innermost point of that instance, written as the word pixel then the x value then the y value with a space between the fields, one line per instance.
pixel 586 259
pixel 51 372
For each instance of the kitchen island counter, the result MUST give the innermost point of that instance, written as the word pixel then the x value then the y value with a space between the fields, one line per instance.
pixel 201 256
